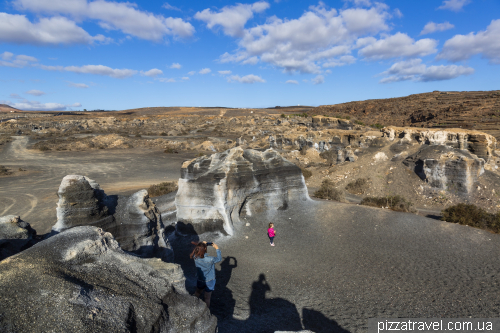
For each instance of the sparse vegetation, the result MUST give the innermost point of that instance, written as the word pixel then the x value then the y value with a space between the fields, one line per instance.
pixel 377 125
pixel 329 191
pixel 161 189
pixel 306 173
pixel 396 203
pixel 359 186
pixel 472 215
pixel 303 150
pixel 4 171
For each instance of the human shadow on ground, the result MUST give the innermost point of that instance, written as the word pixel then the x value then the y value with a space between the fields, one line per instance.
pixel 223 302
pixel 182 246
pixel 317 322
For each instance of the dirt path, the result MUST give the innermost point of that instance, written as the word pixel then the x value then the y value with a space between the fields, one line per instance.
pixel 32 194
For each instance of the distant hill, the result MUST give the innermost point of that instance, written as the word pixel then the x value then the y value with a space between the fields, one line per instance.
pixel 478 110
pixel 7 108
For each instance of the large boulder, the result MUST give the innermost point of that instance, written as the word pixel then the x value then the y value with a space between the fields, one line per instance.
pixel 133 220
pixel 447 168
pixel 15 235
pixel 81 281
pixel 214 191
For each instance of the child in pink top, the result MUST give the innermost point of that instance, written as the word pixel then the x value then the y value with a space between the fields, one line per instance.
pixel 271 233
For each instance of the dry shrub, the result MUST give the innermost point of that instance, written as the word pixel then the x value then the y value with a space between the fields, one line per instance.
pixel 329 155
pixel 303 151
pixel 472 215
pixel 306 173
pixel 161 189
pixel 170 150
pixel 4 171
pixel 328 191
pixel 396 203
pixel 359 186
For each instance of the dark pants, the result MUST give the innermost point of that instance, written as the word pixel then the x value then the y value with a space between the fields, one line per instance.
pixel 271 239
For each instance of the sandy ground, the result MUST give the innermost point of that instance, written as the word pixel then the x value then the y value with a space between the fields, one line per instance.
pixel 32 194
pixel 333 267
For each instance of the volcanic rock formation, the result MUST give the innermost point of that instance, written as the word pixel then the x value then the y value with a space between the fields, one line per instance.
pixel 134 221
pixel 15 235
pixel 81 281
pixel 214 191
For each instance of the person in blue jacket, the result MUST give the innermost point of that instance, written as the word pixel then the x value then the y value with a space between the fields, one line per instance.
pixel 205 268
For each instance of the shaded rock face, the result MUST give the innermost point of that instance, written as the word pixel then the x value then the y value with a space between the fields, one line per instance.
pixel 214 191
pixel 15 235
pixel 81 281
pixel 134 220
pixel 447 168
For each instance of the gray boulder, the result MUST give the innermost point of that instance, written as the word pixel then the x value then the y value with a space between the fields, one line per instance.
pixel 15 235
pixel 214 191
pixel 81 281
pixel 134 220
pixel 447 168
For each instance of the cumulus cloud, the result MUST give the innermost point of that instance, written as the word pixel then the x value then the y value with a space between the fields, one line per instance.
pixel 433 27
pixel 342 61
pixel 35 92
pixel 415 70
pixel 224 72
pixel 93 69
pixel 192 73
pixel 319 36
pixel 185 78
pixel 292 82
pixel 398 45
pixel 56 30
pixel 19 61
pixel 176 65
pixel 27 105
pixel 318 79
pixel 167 6
pixel 245 79
pixel 486 43
pixel 78 85
pixel 123 16
pixel 205 71
pixel 454 5
pixel 6 55
pixel 232 19
pixel 152 72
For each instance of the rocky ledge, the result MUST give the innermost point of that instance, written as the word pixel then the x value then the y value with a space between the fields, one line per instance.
pixel 81 281
pixel 15 235
pixel 214 191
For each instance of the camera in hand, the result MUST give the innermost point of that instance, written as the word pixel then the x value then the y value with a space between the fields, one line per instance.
pixel 210 244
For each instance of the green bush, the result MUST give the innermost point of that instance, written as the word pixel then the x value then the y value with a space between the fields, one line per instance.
pixel 377 125
pixel 396 203
pixel 306 173
pixel 328 191
pixel 161 189
pixel 359 186
pixel 468 214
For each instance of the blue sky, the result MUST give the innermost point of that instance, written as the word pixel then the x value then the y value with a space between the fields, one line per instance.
pixel 83 54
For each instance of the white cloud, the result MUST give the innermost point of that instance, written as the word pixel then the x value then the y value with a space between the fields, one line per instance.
pixel 433 27
pixel 292 82
pixel 56 30
pixel 398 13
pixel 152 72
pixel 232 19
pixel 192 73
pixel 16 96
pixel 93 69
pixel 342 61
pixel 414 70
pixel 184 78
pixel 318 79
pixel 166 80
pixel 454 5
pixel 167 6
pixel 205 71
pixel 318 36
pixel 78 85
pixel 35 92
pixel 358 3
pixel 122 16
pixel 18 61
pixel 224 72
pixel 176 65
pixel 486 43
pixel 246 79
pixel 37 106
pixel 398 45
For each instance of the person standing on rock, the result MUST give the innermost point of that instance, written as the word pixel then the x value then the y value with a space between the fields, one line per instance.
pixel 271 232
pixel 205 268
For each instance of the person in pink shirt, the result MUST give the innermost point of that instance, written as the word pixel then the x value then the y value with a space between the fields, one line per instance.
pixel 271 232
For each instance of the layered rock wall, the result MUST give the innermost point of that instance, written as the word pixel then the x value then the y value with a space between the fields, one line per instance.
pixel 214 191
pixel 15 235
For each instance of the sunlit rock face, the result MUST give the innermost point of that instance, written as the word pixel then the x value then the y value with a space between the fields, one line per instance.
pixel 80 280
pixel 214 191
pixel 134 220
pixel 447 168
